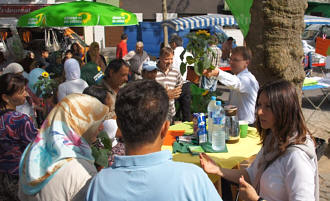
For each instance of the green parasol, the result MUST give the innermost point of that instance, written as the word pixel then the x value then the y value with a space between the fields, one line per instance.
pixel 78 13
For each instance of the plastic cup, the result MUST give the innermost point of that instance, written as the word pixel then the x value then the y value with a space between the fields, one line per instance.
pixel 243 128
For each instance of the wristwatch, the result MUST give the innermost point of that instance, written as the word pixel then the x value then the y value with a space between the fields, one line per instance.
pixel 261 199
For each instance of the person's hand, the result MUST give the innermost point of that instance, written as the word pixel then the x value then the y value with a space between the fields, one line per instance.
pixel 174 93
pixel 209 165
pixel 246 191
pixel 211 73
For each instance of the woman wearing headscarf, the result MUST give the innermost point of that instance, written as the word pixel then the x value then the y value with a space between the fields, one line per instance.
pixel 16 132
pixel 73 83
pixel 59 164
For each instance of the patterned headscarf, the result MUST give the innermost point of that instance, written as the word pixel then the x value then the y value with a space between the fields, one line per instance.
pixel 65 134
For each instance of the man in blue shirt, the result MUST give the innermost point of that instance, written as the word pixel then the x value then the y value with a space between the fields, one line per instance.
pixel 147 173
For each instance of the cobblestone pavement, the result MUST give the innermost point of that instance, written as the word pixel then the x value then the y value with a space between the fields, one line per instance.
pixel 319 125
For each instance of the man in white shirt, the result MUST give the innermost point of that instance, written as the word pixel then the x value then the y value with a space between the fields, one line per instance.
pixel 185 98
pixel 244 86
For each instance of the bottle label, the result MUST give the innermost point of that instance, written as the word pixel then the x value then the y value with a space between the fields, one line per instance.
pixel 218 120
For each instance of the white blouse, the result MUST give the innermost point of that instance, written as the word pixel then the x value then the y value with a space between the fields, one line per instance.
pixel 291 177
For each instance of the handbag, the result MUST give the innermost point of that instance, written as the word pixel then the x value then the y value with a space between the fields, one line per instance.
pixel 51 45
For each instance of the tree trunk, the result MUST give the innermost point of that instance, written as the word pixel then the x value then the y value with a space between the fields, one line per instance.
pixel 164 5
pixel 275 41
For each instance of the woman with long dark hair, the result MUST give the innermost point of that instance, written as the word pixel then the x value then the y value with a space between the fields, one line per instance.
pixel 286 166
pixel 16 132
pixel 76 50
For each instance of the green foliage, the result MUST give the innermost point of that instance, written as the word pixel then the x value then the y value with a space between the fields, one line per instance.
pixel 102 150
pixel 200 98
pixel 198 47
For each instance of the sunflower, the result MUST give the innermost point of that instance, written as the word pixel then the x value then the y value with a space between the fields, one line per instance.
pixel 45 74
pixel 202 32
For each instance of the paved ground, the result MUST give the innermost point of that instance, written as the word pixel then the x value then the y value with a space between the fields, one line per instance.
pixel 319 125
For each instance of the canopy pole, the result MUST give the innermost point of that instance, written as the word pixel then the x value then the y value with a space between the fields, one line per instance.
pixel 165 27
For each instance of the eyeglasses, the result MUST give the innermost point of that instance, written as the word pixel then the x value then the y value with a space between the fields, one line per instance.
pixel 236 60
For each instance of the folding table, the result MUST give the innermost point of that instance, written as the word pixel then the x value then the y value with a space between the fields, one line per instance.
pixel 323 84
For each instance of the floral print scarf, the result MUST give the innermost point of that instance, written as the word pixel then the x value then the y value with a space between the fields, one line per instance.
pixel 64 135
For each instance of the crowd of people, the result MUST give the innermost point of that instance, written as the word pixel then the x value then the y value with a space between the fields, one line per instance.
pixel 133 99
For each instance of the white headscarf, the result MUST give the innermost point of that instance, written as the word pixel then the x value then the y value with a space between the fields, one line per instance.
pixel 72 69
pixel 13 68
pixel 110 127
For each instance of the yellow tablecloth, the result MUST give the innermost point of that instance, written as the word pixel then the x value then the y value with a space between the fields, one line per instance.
pixel 238 152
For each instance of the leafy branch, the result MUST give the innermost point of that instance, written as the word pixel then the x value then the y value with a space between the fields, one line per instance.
pixel 198 46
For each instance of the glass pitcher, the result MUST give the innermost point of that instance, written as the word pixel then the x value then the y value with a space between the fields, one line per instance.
pixel 232 125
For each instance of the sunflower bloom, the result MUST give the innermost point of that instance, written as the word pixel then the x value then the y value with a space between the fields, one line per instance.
pixel 45 74
pixel 202 32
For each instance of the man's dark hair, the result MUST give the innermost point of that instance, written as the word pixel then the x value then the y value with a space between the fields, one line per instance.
pixel 141 109
pixel 96 91
pixel 68 51
pixel 176 39
pixel 230 38
pixel 115 65
pixel 244 51
pixel 44 50
pixel 123 36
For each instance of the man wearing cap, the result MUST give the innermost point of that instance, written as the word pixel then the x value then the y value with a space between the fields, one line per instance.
pixel 149 70
pixel 136 58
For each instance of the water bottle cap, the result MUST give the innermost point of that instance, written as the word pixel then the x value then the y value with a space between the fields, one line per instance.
pixel 218 103
pixel 213 98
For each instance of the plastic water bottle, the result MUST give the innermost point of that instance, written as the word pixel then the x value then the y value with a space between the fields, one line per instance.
pixel 211 109
pixel 219 131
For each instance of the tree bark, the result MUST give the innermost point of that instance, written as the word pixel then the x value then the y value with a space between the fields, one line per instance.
pixel 164 5
pixel 275 41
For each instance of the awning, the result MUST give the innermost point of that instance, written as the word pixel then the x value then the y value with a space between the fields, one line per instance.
pixel 200 22
pixel 204 21
pixel 316 20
